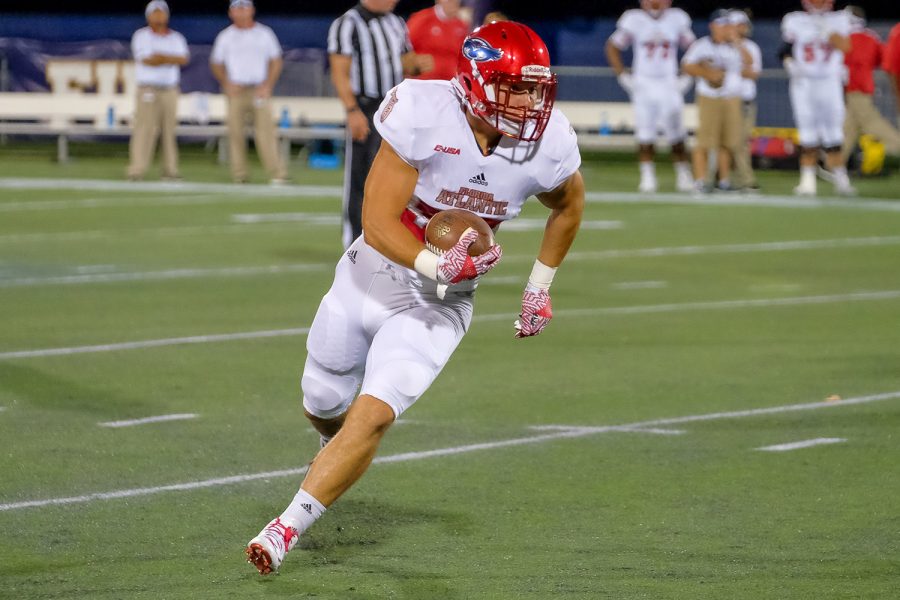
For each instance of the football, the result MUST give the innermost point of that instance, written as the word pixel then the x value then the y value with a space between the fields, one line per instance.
pixel 446 227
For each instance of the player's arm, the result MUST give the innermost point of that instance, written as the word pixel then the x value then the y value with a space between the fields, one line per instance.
pixel 389 186
pixel 839 42
pixel 566 204
pixel 614 57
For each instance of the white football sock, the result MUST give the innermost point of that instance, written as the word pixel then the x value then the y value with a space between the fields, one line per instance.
pixel 302 512
pixel 808 177
pixel 683 170
pixel 648 170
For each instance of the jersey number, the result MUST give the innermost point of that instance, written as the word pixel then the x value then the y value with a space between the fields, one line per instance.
pixel 652 48
pixel 809 51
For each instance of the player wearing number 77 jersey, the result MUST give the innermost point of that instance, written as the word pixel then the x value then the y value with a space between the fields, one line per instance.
pixel 484 142
pixel 815 41
pixel 655 32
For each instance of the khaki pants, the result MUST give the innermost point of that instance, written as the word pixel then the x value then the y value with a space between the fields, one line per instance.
pixel 720 123
pixel 154 116
pixel 743 162
pixel 241 106
pixel 863 117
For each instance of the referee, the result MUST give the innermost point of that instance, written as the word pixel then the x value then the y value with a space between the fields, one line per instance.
pixel 369 53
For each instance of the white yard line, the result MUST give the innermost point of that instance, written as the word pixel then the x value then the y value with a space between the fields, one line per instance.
pixel 639 285
pixel 186 231
pixel 146 420
pixel 804 444
pixel 165 275
pixel 621 310
pixel 783 246
pixel 169 189
pixel 569 433
pixel 193 339
pixel 765 200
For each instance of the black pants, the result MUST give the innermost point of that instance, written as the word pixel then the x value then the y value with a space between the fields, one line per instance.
pixel 358 159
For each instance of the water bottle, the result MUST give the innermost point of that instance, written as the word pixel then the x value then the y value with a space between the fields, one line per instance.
pixel 605 129
pixel 110 116
pixel 285 121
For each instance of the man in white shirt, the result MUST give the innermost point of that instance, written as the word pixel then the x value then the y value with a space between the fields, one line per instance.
pixel 246 60
pixel 485 142
pixel 743 164
pixel 816 39
pixel 159 53
pixel 655 32
pixel 717 61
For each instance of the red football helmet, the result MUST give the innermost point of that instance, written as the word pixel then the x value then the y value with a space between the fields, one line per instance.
pixel 504 75
pixel 655 7
pixel 817 6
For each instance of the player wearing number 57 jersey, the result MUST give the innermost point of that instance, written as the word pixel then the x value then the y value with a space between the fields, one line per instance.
pixel 815 41
pixel 483 142
pixel 655 32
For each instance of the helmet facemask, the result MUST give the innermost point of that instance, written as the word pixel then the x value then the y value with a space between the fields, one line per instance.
pixel 518 106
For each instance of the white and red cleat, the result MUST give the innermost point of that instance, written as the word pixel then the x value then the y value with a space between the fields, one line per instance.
pixel 266 551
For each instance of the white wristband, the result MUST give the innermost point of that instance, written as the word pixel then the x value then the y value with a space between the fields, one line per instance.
pixel 541 275
pixel 427 264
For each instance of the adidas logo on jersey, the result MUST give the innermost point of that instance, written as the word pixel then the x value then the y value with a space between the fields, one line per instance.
pixel 351 254
pixel 479 179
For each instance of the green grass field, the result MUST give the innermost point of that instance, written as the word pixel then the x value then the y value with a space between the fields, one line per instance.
pixel 616 456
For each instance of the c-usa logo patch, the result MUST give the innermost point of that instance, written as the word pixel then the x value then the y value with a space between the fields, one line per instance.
pixel 480 51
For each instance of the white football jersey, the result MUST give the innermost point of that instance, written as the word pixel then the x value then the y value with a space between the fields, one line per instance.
pixel 813 56
pixel 425 123
pixel 654 41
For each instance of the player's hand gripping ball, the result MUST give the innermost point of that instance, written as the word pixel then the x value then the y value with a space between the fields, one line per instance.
pixel 465 244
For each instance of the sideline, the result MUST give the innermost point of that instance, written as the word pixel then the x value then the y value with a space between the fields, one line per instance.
pixel 576 432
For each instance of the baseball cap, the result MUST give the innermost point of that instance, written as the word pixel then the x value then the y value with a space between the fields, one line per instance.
pixel 154 5
pixel 738 17
pixel 240 4
pixel 720 16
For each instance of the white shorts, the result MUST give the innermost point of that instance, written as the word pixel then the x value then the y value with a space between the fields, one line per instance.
pixel 380 330
pixel 818 106
pixel 658 107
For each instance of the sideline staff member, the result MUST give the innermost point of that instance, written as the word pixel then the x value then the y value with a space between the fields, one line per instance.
pixel 159 53
pixel 246 59
pixel 369 52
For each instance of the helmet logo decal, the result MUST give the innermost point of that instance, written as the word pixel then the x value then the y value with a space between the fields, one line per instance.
pixel 479 50
pixel 535 71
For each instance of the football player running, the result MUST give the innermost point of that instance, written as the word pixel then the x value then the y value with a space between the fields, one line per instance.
pixel 813 55
pixel 655 32
pixel 484 141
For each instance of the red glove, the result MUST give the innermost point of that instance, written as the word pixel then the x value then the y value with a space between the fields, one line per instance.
pixel 536 312
pixel 456 265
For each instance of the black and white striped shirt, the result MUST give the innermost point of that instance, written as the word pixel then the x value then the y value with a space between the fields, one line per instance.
pixel 375 41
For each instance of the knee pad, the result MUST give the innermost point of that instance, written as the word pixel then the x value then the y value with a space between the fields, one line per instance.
pixel 326 393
